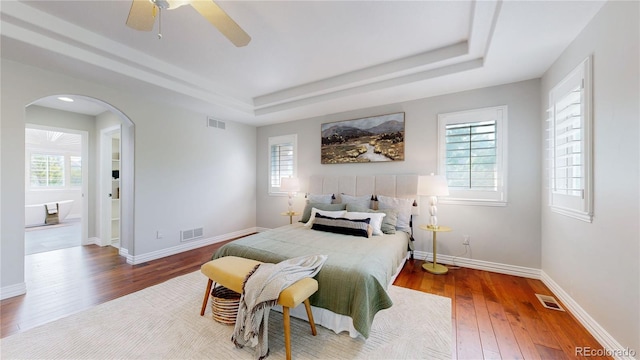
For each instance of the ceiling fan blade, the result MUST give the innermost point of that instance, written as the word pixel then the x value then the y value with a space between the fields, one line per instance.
pixel 225 24
pixel 142 15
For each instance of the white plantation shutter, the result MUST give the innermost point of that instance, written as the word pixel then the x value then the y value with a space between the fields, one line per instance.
pixel 282 160
pixel 569 144
pixel 567 150
pixel 471 154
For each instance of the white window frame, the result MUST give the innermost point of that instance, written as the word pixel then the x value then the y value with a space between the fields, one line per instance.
pixel 578 205
pixel 274 189
pixel 67 184
pixel 474 196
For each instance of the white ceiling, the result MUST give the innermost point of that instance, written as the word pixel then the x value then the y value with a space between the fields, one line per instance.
pixel 306 58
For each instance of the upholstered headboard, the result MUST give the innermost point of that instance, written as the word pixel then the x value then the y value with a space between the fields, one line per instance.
pixel 401 186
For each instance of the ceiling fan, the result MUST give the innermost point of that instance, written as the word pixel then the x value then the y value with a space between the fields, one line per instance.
pixel 143 13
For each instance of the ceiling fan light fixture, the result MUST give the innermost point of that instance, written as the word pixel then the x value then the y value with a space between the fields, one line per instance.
pixel 65 98
pixel 169 4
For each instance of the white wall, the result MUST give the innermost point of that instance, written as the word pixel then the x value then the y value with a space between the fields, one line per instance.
pixel 597 263
pixel 186 175
pixel 506 235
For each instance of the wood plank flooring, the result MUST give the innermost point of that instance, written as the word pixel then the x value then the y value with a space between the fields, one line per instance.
pixel 498 316
pixel 494 316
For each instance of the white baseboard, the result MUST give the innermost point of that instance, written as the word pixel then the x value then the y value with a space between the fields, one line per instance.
pixel 93 241
pixel 480 265
pixel 602 336
pixel 598 332
pixel 13 290
pixel 138 259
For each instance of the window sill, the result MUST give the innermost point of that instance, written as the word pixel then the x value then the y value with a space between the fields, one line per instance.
pixel 572 214
pixel 471 202
pixel 277 193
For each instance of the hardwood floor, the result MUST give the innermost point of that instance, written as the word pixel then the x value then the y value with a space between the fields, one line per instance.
pixel 494 316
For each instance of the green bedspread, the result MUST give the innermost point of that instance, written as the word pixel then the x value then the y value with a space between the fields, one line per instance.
pixel 354 279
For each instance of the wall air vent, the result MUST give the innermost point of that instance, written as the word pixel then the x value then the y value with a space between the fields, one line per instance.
pixel 213 123
pixel 191 234
pixel 549 302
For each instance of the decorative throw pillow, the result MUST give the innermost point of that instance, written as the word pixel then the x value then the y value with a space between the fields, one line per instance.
pixel 388 222
pixel 317 198
pixel 403 206
pixel 364 201
pixel 375 222
pixel 330 214
pixel 359 227
pixel 306 214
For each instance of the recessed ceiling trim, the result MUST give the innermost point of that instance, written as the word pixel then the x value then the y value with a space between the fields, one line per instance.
pixel 484 18
pixel 402 80
pixel 79 43
pixel 464 55
pixel 368 74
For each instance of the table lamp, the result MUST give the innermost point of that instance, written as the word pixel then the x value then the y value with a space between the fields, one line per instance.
pixel 433 186
pixel 290 185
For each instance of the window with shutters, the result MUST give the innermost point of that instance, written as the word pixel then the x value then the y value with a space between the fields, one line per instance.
pixel 471 154
pixel 282 160
pixel 569 144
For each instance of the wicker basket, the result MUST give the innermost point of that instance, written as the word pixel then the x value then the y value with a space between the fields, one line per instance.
pixel 224 305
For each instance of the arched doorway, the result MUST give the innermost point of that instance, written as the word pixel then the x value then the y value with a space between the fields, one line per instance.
pixel 94 195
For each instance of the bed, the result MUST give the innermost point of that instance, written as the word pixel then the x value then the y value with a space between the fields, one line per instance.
pixel 354 280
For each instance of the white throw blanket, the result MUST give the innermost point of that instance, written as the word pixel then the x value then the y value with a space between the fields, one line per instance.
pixel 260 293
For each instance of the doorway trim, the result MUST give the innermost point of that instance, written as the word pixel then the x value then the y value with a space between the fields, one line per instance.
pixel 105 186
pixel 127 133
pixel 84 189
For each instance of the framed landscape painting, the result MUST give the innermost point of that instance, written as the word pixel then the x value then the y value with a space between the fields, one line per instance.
pixel 370 139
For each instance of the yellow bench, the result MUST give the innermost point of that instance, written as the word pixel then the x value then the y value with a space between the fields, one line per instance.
pixel 230 272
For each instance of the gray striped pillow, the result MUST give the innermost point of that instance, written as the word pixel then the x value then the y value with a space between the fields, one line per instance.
pixel 359 227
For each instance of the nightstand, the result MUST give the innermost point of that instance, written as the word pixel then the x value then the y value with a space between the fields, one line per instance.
pixel 434 267
pixel 290 214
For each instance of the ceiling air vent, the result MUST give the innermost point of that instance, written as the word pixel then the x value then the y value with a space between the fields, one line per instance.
pixel 213 123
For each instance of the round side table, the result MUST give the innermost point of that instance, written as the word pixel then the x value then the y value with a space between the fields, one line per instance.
pixel 434 267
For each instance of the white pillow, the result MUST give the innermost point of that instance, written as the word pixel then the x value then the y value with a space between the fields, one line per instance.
pixel 403 206
pixel 375 222
pixel 316 198
pixel 364 201
pixel 333 214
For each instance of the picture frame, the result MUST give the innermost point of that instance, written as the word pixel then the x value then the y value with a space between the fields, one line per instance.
pixel 370 139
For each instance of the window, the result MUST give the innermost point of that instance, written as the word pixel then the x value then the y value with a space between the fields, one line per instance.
pixel 47 170
pixel 75 170
pixel 569 144
pixel 282 160
pixel 471 154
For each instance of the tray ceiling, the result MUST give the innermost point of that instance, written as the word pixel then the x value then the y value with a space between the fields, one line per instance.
pixel 306 58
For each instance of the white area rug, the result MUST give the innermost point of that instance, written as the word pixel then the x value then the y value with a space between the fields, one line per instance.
pixel 164 322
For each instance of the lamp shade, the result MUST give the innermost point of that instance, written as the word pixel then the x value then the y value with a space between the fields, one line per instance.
pixel 433 185
pixel 289 184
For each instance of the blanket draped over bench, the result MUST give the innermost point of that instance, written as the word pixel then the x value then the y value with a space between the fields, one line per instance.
pixel 260 293
pixel 354 279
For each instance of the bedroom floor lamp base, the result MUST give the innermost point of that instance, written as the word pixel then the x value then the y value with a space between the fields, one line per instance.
pixel 434 267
